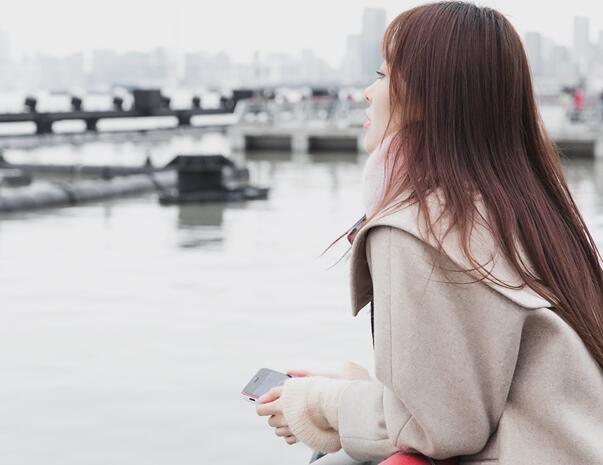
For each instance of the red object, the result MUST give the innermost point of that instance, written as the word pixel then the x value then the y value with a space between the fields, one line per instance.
pixel 579 99
pixel 417 459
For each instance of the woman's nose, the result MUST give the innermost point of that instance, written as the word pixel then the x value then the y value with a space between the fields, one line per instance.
pixel 366 96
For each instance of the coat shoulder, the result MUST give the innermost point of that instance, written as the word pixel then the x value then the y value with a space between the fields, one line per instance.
pixel 390 243
pixel 402 236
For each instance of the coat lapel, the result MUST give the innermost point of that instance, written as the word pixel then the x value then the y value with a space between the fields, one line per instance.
pixel 482 246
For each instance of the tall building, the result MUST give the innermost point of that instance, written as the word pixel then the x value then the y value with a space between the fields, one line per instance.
pixel 582 45
pixel 373 26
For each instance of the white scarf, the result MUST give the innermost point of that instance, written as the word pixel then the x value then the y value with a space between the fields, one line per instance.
pixel 373 176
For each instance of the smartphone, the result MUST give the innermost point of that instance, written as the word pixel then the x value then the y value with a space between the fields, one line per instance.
pixel 264 380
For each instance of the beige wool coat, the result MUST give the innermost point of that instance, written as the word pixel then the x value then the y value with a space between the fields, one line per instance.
pixel 474 370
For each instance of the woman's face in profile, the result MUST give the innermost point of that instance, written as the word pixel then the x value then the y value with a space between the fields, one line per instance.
pixel 377 95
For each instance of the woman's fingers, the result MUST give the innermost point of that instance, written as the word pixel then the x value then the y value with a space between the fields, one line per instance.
pixel 271 395
pixel 282 431
pixel 298 373
pixel 277 420
pixel 268 408
pixel 281 428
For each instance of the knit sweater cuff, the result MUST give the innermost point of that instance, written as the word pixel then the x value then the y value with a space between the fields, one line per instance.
pixel 309 406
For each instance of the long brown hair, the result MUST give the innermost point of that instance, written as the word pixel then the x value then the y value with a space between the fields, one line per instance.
pixel 460 83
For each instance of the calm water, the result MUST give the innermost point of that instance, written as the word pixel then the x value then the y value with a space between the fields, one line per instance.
pixel 128 328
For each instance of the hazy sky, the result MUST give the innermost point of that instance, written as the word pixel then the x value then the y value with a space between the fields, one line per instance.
pixel 239 27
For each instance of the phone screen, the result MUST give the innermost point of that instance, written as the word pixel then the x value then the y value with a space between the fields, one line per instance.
pixel 264 380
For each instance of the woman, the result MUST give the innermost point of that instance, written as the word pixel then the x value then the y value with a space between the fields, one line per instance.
pixel 487 286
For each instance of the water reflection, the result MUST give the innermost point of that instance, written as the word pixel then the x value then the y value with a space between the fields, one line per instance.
pixel 202 223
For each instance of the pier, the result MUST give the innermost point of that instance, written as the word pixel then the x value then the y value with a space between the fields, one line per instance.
pixel 147 103
pixel 296 139
pixel 332 124
pixel 322 121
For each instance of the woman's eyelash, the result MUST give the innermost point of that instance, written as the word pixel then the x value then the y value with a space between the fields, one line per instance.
pixel 380 74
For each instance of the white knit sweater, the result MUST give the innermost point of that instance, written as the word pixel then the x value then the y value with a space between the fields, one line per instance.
pixel 309 406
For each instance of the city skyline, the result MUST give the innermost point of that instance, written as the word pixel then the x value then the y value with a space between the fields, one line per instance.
pixel 553 64
pixel 64 27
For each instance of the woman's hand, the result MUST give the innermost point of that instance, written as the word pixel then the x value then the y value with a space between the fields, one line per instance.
pixel 269 404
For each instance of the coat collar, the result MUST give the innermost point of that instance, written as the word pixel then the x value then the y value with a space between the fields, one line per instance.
pixel 482 246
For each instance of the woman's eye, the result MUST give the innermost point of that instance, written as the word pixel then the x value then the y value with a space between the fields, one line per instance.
pixel 380 74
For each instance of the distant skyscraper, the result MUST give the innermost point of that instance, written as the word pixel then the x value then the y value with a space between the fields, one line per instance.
pixel 582 46
pixel 373 26
pixel 533 43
